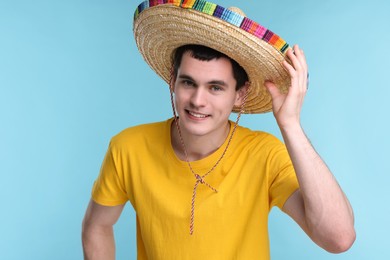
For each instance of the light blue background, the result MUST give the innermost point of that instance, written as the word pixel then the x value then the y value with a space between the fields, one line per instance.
pixel 71 77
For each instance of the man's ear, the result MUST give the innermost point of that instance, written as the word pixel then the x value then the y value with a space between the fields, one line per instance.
pixel 241 93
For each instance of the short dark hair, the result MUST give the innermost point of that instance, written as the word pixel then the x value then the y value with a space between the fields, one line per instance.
pixel 204 53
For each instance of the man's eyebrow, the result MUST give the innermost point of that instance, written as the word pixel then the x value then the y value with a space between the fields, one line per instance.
pixel 218 82
pixel 212 82
pixel 184 76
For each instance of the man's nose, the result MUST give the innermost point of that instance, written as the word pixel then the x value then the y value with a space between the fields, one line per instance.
pixel 199 97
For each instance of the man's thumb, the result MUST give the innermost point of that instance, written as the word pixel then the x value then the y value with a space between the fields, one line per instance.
pixel 272 88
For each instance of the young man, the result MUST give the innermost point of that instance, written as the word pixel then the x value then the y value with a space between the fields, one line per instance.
pixel 202 186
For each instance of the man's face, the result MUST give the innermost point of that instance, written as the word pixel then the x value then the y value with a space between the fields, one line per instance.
pixel 205 93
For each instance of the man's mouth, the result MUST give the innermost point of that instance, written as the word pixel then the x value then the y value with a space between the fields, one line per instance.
pixel 197 115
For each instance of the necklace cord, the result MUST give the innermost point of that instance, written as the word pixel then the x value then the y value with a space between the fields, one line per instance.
pixel 200 178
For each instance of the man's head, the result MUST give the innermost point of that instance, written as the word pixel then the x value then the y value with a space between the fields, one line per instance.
pixel 204 53
pixel 205 92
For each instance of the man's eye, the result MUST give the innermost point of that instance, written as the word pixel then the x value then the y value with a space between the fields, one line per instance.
pixel 187 83
pixel 216 88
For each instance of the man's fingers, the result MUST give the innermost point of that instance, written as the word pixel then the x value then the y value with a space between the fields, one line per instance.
pixel 297 69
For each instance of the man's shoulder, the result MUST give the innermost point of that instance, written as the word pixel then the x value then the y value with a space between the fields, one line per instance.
pixel 258 140
pixel 150 131
pixel 245 132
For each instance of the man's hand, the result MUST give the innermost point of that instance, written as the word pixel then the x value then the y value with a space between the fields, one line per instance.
pixel 287 107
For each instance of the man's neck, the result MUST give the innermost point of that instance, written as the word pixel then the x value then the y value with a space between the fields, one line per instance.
pixel 198 147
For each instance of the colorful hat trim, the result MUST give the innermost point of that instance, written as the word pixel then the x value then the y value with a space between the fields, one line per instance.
pixel 225 14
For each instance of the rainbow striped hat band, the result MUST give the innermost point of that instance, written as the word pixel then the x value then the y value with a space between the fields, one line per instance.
pixel 161 26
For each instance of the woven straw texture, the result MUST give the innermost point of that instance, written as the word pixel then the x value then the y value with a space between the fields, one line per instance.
pixel 160 29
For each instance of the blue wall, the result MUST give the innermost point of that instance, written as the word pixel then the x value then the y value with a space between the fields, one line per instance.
pixel 71 77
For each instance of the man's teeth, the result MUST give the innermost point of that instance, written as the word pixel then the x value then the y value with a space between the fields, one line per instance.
pixel 197 115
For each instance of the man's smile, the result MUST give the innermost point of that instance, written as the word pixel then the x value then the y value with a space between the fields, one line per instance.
pixel 197 115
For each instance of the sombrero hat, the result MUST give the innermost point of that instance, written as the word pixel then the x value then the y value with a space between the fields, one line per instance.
pixel 161 26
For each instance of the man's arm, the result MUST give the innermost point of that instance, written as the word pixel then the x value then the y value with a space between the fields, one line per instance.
pixel 97 231
pixel 320 207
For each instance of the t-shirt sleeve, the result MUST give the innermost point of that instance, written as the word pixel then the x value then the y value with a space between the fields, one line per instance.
pixel 282 178
pixel 109 189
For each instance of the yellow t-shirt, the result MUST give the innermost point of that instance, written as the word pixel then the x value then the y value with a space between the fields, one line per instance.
pixel 255 174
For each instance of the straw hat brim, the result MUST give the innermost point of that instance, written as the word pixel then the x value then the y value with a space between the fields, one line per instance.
pixel 161 29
